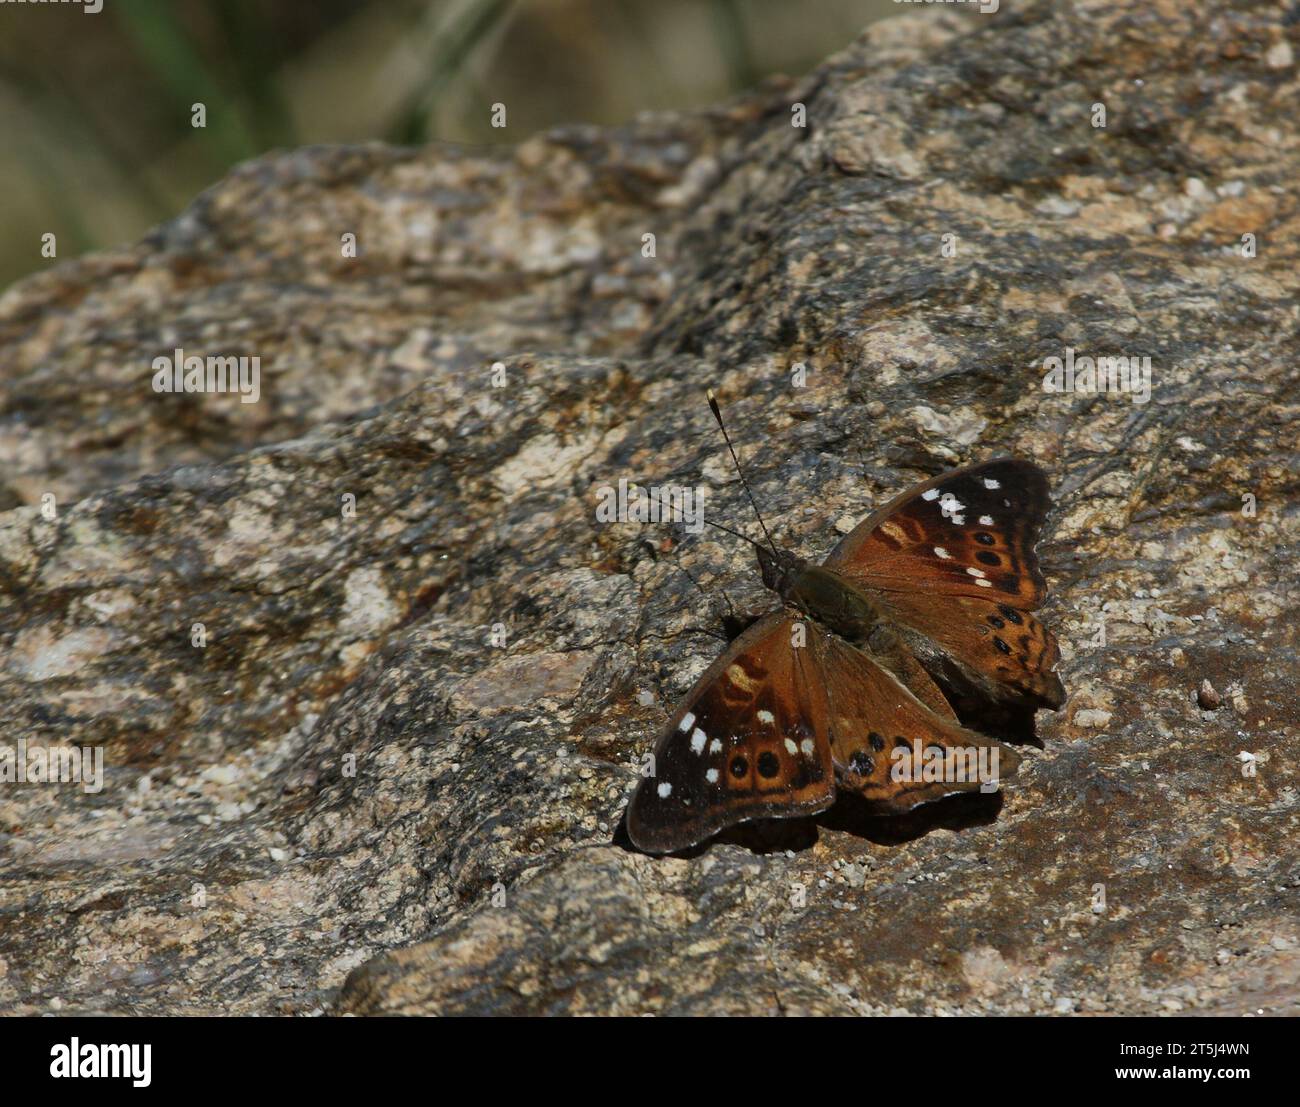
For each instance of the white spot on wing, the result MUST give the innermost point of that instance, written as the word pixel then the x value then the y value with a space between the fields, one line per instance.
pixel 807 746
pixel 715 746
pixel 766 717
pixel 697 741
pixel 985 583
pixel 688 721
pixel 941 552
pixel 986 520
pixel 977 573
pixel 711 776
pixel 990 483
pixel 930 494
pixel 665 790
pixel 789 745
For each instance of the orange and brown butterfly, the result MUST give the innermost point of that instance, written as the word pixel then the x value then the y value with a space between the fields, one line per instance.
pixel 821 692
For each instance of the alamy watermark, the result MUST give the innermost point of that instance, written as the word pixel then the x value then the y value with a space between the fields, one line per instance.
pixel 986 7
pixel 36 764
pixel 90 7
pixel 218 374
pixel 670 503
pixel 1103 374
pixel 951 765
pixel 88 1060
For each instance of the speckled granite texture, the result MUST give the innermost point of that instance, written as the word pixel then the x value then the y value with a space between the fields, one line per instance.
pixel 350 800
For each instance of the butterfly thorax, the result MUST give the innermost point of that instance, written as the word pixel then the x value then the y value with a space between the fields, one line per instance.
pixel 822 594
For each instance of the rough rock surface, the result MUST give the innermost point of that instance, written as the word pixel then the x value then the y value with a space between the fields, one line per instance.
pixel 350 800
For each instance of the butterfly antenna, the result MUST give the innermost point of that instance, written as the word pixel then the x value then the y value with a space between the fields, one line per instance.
pixel 713 406
pixel 736 533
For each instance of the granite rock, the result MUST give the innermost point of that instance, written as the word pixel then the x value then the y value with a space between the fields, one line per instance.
pixel 391 778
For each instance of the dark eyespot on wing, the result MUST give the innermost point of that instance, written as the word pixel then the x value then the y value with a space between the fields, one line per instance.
pixel 861 764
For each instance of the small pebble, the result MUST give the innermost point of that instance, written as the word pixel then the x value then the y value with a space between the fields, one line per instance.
pixel 1207 697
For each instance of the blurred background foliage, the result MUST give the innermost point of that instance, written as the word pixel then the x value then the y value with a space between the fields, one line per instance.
pixel 95 110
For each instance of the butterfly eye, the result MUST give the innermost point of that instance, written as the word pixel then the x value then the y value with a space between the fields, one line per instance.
pixel 984 538
pixel 861 764
pixel 739 767
pixel 987 558
pixel 877 742
pixel 768 765
pixel 1013 616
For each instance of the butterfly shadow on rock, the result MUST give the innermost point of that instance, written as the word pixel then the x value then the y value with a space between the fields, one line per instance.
pixel 850 814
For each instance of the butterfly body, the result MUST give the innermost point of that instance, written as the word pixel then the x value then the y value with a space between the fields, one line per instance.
pixel 838 685
pixel 820 593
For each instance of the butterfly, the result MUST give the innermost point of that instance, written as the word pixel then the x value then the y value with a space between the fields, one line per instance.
pixel 837 687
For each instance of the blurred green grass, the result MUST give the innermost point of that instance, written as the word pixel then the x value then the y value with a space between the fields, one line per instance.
pixel 97 108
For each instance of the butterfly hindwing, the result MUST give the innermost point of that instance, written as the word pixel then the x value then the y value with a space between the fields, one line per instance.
pixel 749 742
pixel 1005 652
pixel 876 723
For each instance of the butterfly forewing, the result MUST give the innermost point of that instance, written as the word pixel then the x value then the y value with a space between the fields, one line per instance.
pixel 749 742
pixel 968 532
pixel 953 560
